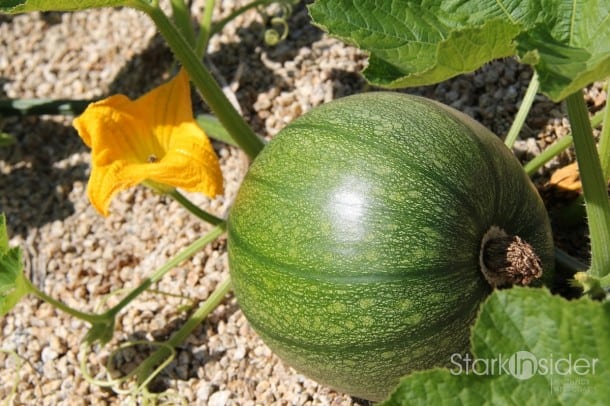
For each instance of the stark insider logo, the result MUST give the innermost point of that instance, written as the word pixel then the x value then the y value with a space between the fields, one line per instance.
pixel 522 365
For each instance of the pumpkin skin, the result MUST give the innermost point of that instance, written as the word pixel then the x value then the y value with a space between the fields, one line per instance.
pixel 354 239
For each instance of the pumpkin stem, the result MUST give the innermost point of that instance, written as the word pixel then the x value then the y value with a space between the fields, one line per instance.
pixel 508 260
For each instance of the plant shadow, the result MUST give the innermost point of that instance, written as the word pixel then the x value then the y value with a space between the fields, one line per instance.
pixel 189 357
pixel 34 189
pixel 241 65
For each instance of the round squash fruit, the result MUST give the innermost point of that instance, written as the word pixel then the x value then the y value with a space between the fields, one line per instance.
pixel 357 239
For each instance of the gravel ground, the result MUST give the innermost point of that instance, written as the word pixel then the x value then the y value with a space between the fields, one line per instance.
pixel 79 257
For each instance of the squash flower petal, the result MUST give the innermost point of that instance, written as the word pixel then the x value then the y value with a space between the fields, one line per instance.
pixel 153 138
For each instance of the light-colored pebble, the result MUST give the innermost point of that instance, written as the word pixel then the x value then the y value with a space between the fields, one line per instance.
pixel 219 398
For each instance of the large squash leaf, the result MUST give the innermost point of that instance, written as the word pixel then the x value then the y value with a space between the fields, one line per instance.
pixel 13 285
pixel 418 43
pixel 23 6
pixel 531 348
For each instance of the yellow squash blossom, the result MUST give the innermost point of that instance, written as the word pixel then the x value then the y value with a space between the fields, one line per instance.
pixel 153 138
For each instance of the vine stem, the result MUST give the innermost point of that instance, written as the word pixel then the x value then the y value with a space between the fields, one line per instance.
pixel 549 153
pixel 524 109
pixel 183 255
pixel 18 364
pixel 208 29
pixel 91 318
pixel 201 313
pixel 179 336
pixel 568 261
pixel 205 27
pixel 221 24
pixel 595 188
pixel 104 318
pixel 205 82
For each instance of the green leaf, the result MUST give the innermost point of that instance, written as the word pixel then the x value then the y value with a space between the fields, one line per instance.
pixel 530 348
pixel 6 140
pixel 13 285
pixel 24 6
pixel 24 107
pixel 419 43
pixel 213 128
pixel 101 332
pixel 3 234
pixel 565 69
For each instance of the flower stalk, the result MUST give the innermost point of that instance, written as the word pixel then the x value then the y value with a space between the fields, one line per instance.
pixel 190 206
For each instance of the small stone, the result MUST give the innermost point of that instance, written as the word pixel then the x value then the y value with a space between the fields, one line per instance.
pixel 239 353
pixel 203 391
pixel 57 229
pixel 219 398
pixel 48 354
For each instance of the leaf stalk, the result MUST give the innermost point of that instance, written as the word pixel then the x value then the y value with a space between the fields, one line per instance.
pixel 205 83
pixel 595 188
pixel 524 109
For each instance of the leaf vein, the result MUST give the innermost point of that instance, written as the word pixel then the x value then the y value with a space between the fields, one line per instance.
pixel 505 10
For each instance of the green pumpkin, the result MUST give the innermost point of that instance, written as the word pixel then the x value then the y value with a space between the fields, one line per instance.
pixel 354 242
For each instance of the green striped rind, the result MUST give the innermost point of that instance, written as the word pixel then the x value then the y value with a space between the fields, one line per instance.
pixel 354 239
